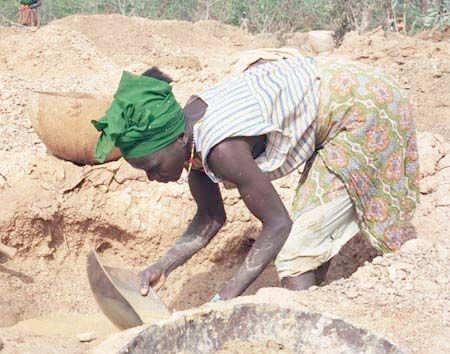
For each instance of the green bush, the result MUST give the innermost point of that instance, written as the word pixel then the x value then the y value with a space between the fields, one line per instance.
pixel 276 16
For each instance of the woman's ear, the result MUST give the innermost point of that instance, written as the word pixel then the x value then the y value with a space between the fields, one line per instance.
pixel 183 139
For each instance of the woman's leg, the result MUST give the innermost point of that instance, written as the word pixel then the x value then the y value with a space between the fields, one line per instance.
pixel 300 282
pixel 324 220
pixel 316 237
pixel 306 280
pixel 321 272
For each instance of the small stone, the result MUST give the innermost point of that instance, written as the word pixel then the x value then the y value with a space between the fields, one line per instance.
pixel 441 279
pixel 445 148
pixel 401 275
pixel 439 138
pixel 445 315
pixel 377 260
pixel 366 285
pixel 416 245
pixel 442 195
pixel 86 337
pixel 443 176
pixel 392 274
pixel 377 314
pixel 409 286
pixel 444 162
pixel 428 184
pixel 45 250
pixel 429 286
pixel 351 294
pixel 427 204
pixel 1 344
pixel 428 167
pixel 403 266
pixel 442 252
pixel 135 224
pixel 165 202
pixel 382 302
pixel 85 56
pixel 274 345
pixel 429 154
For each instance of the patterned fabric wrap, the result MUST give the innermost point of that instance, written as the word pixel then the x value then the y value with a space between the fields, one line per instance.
pixel 366 126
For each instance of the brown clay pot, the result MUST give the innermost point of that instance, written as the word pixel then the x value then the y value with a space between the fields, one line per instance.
pixel 63 122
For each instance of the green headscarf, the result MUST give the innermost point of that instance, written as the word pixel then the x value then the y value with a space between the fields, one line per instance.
pixel 144 117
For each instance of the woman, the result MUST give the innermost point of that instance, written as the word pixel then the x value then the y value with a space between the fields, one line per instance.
pixel 27 14
pixel 350 124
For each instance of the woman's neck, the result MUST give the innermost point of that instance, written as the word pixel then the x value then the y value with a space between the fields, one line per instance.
pixel 189 134
pixel 193 112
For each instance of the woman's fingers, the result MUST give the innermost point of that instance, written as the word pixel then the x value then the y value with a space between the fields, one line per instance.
pixel 151 277
pixel 145 282
pixel 159 282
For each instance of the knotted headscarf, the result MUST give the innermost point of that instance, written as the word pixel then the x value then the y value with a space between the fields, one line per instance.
pixel 144 117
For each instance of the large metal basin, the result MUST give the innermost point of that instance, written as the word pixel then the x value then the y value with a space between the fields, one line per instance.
pixel 271 328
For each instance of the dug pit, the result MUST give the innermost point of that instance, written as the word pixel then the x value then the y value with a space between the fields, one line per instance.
pixel 59 212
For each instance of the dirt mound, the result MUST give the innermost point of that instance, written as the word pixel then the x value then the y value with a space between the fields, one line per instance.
pixel 401 294
pixel 143 37
pixel 52 51
pixel 173 44
pixel 421 66
pixel 435 34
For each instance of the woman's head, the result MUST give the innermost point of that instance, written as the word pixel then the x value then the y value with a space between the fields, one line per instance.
pixel 165 165
pixel 147 124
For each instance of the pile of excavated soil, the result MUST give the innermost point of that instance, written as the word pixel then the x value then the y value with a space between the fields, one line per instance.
pixel 404 296
pixel 158 41
pixel 436 34
pixel 53 52
pixel 55 212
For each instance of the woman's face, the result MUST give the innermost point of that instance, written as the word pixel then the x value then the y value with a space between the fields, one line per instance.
pixel 165 165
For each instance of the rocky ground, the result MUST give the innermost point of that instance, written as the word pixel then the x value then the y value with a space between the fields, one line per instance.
pixel 54 212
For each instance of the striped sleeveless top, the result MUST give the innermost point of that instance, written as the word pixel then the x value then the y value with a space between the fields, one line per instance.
pixel 278 99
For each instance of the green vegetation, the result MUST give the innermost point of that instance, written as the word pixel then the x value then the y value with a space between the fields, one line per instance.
pixel 275 16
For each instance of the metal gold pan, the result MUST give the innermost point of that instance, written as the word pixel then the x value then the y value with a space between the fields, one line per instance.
pixel 116 291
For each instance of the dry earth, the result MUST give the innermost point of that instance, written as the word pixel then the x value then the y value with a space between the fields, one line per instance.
pixel 54 212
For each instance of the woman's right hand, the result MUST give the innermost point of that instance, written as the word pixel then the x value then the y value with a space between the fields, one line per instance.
pixel 154 276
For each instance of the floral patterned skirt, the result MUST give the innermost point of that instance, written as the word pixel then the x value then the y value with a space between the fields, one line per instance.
pixel 366 128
